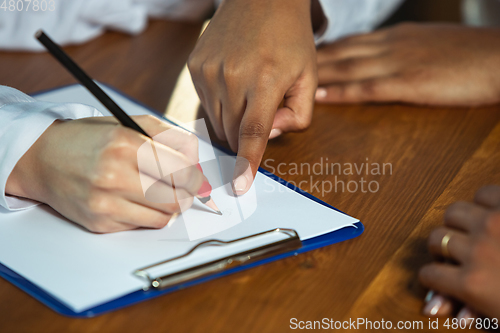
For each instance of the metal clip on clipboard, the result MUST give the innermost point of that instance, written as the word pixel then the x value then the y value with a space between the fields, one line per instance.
pixel 246 257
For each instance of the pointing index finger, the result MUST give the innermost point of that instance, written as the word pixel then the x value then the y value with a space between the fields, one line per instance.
pixel 255 127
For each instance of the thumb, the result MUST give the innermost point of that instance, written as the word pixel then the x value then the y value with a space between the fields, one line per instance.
pixel 296 113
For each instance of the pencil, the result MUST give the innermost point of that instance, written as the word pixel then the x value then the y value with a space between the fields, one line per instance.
pixel 104 98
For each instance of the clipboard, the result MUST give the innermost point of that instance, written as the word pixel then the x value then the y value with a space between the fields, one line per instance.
pixel 161 285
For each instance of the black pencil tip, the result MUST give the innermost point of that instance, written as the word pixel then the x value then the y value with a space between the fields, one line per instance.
pixel 39 33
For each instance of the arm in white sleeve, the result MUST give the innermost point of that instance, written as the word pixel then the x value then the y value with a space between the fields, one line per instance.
pixel 346 17
pixel 22 121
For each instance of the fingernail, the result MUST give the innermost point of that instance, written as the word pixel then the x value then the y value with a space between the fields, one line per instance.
pixel 433 306
pixel 240 184
pixel 321 93
pixel 275 133
pixel 243 179
pixel 205 189
pixel 429 296
pixel 466 314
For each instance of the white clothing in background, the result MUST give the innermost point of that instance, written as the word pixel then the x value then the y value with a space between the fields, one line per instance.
pixel 77 21
pixel 481 12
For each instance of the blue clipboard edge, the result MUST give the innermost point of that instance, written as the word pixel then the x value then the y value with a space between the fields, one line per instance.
pixel 140 295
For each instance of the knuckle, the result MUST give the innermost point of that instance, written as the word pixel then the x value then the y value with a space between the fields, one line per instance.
pixel 121 152
pixel 193 63
pixel 106 173
pixel 303 121
pixel 268 60
pixel 186 204
pixel 185 175
pixel 98 204
pixel 209 69
pixel 173 207
pixel 120 146
pixel 252 129
pixel 119 135
pixel 267 76
pixel 232 73
pixel 105 178
pixel 192 140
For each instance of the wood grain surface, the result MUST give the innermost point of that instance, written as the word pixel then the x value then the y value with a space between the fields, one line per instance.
pixel 438 156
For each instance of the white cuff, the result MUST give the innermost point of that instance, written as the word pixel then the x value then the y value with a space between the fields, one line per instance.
pixel 346 17
pixel 24 120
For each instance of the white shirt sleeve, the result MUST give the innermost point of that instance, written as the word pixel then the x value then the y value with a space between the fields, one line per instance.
pixel 346 17
pixel 77 21
pixel 23 121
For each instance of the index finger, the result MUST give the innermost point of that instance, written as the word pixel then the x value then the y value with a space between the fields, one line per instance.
pixel 255 128
pixel 162 162
pixel 180 140
pixel 171 136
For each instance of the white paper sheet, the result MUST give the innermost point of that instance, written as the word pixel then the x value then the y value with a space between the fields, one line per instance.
pixel 84 270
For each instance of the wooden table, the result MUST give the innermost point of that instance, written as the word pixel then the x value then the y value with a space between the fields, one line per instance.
pixel 438 156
